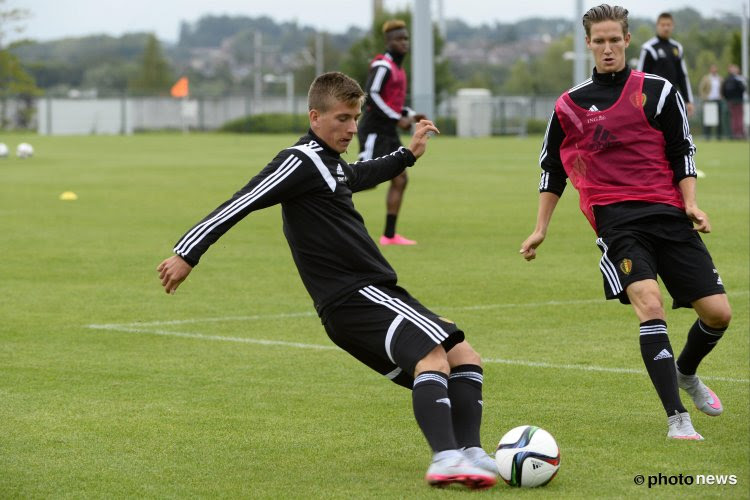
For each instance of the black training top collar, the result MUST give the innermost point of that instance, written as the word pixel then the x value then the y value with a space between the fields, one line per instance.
pixel 397 58
pixel 322 144
pixel 617 78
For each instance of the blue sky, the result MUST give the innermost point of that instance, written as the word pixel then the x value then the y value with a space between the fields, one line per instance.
pixel 52 19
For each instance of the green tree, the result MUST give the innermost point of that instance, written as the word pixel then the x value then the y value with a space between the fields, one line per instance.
pixel 15 82
pixel 304 75
pixel 548 74
pixel 154 75
pixel 520 81
pixel 552 73
pixel 110 78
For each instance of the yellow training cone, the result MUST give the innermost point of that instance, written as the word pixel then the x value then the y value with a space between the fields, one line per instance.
pixel 68 196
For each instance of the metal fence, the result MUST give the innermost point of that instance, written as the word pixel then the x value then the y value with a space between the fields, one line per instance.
pixel 508 115
pixel 57 116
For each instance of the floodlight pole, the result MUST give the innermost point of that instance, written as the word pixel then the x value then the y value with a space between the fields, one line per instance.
pixel 442 28
pixel 579 61
pixel 422 60
pixel 319 41
pixel 745 29
pixel 257 67
pixel 745 64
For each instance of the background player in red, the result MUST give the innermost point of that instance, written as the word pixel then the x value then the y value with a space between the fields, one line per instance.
pixel 622 137
pixel 384 112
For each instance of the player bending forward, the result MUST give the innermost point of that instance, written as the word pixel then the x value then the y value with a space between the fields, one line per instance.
pixel 622 138
pixel 353 287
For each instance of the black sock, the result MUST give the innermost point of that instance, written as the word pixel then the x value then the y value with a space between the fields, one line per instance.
pixel 390 225
pixel 700 340
pixel 465 391
pixel 432 409
pixel 659 360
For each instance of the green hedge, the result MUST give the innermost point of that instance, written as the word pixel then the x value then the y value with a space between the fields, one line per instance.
pixel 270 123
pixel 285 123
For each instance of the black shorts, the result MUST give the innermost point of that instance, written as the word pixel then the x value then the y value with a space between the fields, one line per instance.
pixel 658 245
pixel 375 144
pixel 390 331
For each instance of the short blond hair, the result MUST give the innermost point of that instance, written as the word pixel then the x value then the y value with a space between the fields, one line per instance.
pixel 605 12
pixel 393 24
pixel 332 87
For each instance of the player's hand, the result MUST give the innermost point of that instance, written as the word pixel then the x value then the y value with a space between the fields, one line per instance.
pixel 699 218
pixel 421 135
pixel 404 123
pixel 529 246
pixel 418 117
pixel 172 272
pixel 690 109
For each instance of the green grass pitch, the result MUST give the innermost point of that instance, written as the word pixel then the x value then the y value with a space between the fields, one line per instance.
pixel 230 388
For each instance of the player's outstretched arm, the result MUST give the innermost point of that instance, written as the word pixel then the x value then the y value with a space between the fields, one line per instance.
pixel 172 272
pixel 418 143
pixel 547 203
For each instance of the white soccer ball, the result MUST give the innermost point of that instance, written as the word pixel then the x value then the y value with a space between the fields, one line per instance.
pixel 527 456
pixel 24 150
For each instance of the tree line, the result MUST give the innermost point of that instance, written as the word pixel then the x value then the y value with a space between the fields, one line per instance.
pixel 219 56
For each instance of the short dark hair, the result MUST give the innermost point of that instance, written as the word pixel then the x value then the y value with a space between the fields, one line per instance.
pixel 333 87
pixel 606 12
pixel 665 15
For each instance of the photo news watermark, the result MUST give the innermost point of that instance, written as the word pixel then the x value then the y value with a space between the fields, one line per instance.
pixel 685 479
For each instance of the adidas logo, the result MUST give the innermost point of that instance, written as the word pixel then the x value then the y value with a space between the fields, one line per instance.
pixel 535 465
pixel 664 354
pixel 718 278
pixel 445 401
pixel 593 108
pixel 604 139
pixel 340 173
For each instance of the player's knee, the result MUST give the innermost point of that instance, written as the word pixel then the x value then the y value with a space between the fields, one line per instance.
pixel 718 318
pixel 650 306
pixel 400 181
pixel 435 361
pixel 472 357
pixel 463 354
pixel 651 310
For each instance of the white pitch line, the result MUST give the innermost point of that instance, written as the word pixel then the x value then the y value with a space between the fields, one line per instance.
pixel 201 336
pixel 516 362
pixel 303 314
pixel 255 317
pixel 591 368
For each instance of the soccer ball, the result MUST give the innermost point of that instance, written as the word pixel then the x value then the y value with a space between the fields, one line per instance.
pixel 3 150
pixel 527 456
pixel 24 150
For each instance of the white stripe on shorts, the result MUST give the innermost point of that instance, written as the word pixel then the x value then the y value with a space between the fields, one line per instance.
pixel 429 327
pixel 369 148
pixel 395 373
pixel 608 269
pixel 389 336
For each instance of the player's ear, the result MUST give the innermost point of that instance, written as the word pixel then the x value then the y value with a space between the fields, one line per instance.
pixel 314 115
pixel 627 40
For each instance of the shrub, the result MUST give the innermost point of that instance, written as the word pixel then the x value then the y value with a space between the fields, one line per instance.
pixel 269 123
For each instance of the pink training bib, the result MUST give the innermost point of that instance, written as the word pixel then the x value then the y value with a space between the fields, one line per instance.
pixel 615 155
